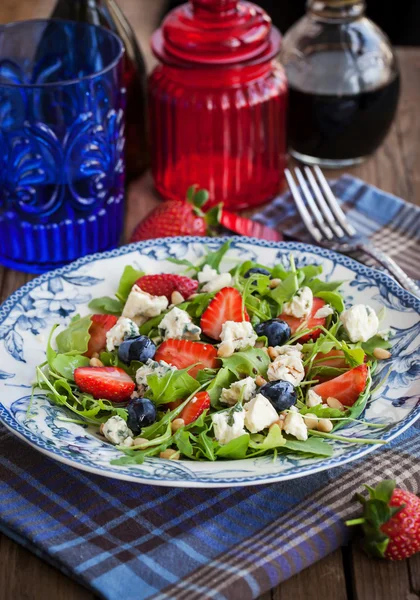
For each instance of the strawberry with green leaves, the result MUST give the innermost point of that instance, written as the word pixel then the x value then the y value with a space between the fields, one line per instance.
pixel 175 218
pixel 390 522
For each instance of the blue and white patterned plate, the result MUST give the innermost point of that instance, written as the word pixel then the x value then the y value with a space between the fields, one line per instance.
pixel 27 316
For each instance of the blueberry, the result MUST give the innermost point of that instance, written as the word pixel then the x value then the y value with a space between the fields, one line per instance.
pixel 141 413
pixel 140 348
pixel 280 393
pixel 276 331
pixel 258 271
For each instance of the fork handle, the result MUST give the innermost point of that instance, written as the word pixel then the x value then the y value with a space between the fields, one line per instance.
pixel 401 276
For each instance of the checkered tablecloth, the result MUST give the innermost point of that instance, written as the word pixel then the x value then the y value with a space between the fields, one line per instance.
pixel 133 542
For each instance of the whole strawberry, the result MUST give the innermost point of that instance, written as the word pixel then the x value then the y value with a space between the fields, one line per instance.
pixel 173 218
pixel 391 521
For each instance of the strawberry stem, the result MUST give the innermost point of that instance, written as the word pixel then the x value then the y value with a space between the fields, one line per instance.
pixel 352 522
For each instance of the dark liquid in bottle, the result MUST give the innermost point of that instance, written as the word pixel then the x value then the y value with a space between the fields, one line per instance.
pixel 340 127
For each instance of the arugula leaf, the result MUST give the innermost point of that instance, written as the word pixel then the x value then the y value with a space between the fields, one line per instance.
pixel 325 372
pixel 172 386
pixel 309 273
pixel 248 362
pixel 182 440
pixel 213 259
pixel 323 411
pixel 65 364
pixel 128 279
pixel 286 290
pixel 184 262
pixel 74 339
pixel 332 298
pixel 274 439
pixel 105 304
pixel 224 378
pixel 235 449
pixel 311 446
pixel 375 342
pixel 50 352
pixel 206 445
pixel 317 285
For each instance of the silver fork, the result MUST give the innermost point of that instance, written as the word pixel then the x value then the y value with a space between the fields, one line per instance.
pixel 328 225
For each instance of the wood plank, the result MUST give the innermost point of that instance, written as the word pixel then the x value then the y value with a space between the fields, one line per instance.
pixel 408 123
pixel 375 579
pixel 25 576
pixel 414 572
pixel 324 579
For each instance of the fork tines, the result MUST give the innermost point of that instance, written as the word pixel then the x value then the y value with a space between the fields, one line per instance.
pixel 321 212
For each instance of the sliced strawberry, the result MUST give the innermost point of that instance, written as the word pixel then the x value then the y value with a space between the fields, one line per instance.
pixel 333 358
pixel 173 405
pixel 98 330
pixel 225 306
pixel 195 407
pixel 307 323
pixel 183 353
pixel 167 283
pixel 107 383
pixel 346 387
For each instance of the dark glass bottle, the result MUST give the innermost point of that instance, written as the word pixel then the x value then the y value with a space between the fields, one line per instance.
pixel 343 84
pixel 108 14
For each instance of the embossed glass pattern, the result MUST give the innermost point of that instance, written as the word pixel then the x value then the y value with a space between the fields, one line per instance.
pixel 218 103
pixel 61 142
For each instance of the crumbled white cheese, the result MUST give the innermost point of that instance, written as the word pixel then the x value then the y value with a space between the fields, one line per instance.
pixel 300 306
pixel 245 387
pixel 141 306
pixel 151 367
pixel 361 322
pixel 235 336
pixel 228 426
pixel 295 425
pixel 124 328
pixel 178 325
pixel 207 274
pixel 217 283
pixel 259 414
pixel 313 399
pixel 295 350
pixel 116 430
pixel 324 311
pixel 288 367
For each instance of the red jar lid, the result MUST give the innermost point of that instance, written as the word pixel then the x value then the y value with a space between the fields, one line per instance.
pixel 216 32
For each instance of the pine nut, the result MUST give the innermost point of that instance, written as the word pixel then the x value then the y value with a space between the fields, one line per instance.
pixel 260 380
pixel 272 352
pixel 311 421
pixel 140 441
pixel 177 298
pixel 225 350
pixel 170 453
pixel 95 362
pixel 177 424
pixel 95 355
pixel 325 425
pixel 274 283
pixel 334 403
pixel 381 354
pixel 279 423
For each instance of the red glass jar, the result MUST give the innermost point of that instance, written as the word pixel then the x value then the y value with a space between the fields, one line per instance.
pixel 218 103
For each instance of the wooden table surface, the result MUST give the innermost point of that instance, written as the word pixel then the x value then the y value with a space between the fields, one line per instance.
pixel 347 573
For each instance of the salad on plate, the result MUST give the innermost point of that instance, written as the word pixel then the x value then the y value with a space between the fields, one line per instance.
pixel 212 365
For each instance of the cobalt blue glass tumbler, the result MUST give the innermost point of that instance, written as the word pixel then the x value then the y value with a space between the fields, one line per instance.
pixel 61 142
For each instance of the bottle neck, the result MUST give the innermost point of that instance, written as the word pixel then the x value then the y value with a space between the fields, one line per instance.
pixel 336 10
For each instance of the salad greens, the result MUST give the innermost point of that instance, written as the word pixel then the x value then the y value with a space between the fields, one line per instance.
pixel 324 349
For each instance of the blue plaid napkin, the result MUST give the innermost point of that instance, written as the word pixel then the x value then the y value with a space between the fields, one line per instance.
pixel 391 224
pixel 125 540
